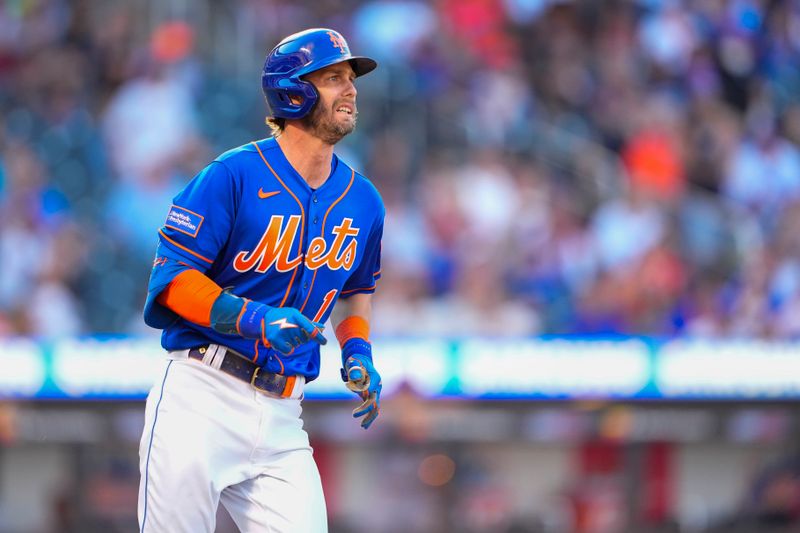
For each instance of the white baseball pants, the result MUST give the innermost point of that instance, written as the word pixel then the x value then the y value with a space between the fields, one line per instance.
pixel 211 438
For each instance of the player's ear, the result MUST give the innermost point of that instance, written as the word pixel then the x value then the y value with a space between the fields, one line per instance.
pixel 295 99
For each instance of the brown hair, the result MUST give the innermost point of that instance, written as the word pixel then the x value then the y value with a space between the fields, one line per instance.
pixel 276 125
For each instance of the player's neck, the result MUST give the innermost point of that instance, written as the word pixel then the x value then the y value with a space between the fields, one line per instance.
pixel 308 155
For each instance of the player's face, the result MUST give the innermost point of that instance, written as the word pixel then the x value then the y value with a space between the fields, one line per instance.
pixel 335 113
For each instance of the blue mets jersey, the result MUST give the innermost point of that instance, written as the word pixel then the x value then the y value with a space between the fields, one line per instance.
pixel 251 223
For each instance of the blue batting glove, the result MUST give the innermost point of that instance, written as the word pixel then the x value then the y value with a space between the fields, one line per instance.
pixel 360 376
pixel 281 328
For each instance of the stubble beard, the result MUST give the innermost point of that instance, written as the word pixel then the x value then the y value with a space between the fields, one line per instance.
pixel 322 124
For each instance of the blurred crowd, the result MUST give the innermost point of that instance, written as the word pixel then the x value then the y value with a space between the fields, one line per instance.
pixel 549 167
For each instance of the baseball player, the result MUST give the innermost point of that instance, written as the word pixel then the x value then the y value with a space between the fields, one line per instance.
pixel 258 250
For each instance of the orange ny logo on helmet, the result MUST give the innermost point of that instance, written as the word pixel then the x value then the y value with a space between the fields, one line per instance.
pixel 338 42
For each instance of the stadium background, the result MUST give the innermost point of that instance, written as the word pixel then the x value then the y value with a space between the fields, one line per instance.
pixel 560 177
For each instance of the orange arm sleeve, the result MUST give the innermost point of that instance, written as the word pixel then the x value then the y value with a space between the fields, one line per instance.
pixel 352 327
pixel 191 295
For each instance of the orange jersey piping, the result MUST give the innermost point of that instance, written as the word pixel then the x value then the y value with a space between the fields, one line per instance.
pixel 324 219
pixel 302 218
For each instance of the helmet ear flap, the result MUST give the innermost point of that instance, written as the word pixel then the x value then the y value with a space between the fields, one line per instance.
pixel 308 98
pixel 280 93
pixel 289 99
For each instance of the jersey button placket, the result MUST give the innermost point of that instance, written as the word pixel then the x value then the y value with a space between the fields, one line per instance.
pixel 312 212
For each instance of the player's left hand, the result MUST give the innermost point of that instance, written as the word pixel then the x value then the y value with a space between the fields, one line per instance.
pixel 360 376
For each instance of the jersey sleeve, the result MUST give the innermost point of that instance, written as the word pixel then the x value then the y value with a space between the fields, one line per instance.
pixel 364 278
pixel 200 218
pixel 195 230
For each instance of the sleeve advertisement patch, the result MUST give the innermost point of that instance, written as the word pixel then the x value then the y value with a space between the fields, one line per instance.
pixel 183 220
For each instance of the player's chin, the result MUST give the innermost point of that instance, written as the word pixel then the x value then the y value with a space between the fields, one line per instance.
pixel 334 131
pixel 347 122
pixel 345 125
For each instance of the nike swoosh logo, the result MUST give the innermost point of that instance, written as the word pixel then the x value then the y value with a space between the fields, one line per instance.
pixel 264 195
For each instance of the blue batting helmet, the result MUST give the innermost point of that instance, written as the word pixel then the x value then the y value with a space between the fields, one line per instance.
pixel 300 54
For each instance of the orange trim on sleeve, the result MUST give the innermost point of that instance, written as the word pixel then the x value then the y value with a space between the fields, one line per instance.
pixel 352 327
pixel 185 249
pixel 360 289
pixel 191 294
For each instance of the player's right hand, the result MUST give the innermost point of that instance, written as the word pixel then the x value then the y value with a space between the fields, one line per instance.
pixel 281 328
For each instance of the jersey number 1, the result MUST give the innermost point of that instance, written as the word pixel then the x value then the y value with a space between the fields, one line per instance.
pixel 326 303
